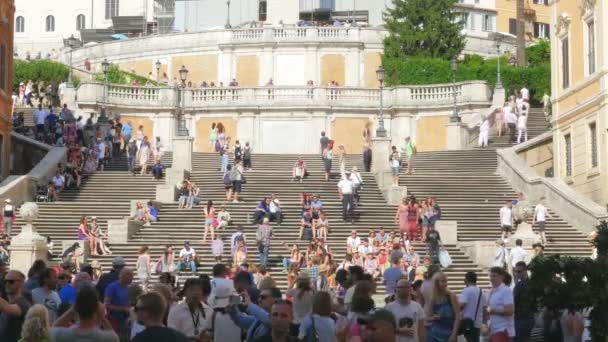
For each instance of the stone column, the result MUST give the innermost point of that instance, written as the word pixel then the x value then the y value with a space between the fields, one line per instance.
pixel 182 153
pixel 28 246
pixel 457 136
pixel 381 150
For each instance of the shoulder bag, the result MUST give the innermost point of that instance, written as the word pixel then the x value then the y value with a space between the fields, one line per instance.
pixel 467 324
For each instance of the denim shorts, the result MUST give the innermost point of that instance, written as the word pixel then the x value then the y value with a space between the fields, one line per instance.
pixel 395 170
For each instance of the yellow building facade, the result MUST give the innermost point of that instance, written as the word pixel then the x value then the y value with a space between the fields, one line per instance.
pixel 7 11
pixel 537 14
pixel 579 69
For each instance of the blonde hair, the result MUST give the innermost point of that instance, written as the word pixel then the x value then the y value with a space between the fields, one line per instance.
pixel 436 293
pixel 36 326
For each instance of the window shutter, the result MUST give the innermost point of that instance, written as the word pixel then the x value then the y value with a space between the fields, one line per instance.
pixel 512 26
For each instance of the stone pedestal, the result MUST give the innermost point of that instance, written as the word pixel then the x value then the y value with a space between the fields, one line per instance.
pixel 395 194
pixel 121 230
pixel 166 193
pixel 448 230
pixel 182 153
pixel 524 233
pixel 176 176
pixel 456 136
pixel 482 252
pixel 28 246
pixel 381 150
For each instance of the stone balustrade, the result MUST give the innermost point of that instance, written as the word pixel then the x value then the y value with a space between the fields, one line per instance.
pixel 467 93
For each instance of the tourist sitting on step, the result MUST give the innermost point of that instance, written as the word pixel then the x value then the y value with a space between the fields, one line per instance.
pixel 157 169
pixel 165 263
pixel 84 234
pixel 352 242
pixel 274 210
pixel 100 237
pixel 299 171
pixel 146 215
pixel 193 198
pixel 187 258
pixel 371 265
pixel 240 253
pixel 261 211
pixel 295 257
pixel 306 227
pixel 58 181
pixel 316 206
pixel 321 227
pixel 184 193
pixel 223 218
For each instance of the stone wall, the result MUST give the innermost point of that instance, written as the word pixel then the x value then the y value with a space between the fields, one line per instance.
pixel 26 153
pixel 539 157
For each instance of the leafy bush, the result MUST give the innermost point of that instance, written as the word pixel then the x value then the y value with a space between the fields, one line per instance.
pixel 539 53
pixel 40 70
pixel 420 71
pixel 117 76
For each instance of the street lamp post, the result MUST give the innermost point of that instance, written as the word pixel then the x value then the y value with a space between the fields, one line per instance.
pixel 72 42
pixel 104 68
pixel 498 78
pixel 181 125
pixel 454 117
pixel 381 131
pixel 228 15
pixel 157 65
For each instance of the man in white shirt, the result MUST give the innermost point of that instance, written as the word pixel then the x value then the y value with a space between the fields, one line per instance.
pixel 59 181
pixel 473 304
pixel 353 242
pixel 540 216
pixel 409 315
pixel 192 317
pixel 525 93
pixel 506 220
pixel 511 119
pixel 500 307
pixel 275 209
pixel 518 253
pixel 186 258
pixel 345 187
pixel 100 153
pixel 364 248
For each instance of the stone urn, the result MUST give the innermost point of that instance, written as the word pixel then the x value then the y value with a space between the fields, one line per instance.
pixel 28 246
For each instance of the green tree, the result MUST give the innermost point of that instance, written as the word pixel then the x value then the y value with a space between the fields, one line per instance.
pixel 423 28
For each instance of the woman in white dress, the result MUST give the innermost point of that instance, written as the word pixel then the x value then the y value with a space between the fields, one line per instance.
pixel 166 262
pixel 139 136
pixel 342 159
pixel 522 123
pixel 143 155
pixel 143 267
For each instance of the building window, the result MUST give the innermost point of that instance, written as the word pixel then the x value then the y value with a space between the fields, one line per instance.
pixel 565 63
pixel 80 22
pixel 513 26
pixel 3 70
pixel 541 2
pixel 472 21
pixel 591 46
pixel 568 151
pixel 541 30
pixel 111 9
pixel 262 11
pixel 488 23
pixel 20 24
pixel 50 24
pixel 593 144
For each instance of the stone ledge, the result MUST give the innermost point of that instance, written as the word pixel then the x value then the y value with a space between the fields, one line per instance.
pixel 448 230
pixel 121 230
pixel 578 210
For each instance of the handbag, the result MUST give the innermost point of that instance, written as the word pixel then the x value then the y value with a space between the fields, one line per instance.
pixel 467 324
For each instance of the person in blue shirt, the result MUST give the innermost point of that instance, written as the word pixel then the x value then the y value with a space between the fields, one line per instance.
pixel 152 214
pixel 316 206
pixel 256 318
pixel 392 275
pixel 127 131
pixel 52 119
pixel 117 301
pixel 261 211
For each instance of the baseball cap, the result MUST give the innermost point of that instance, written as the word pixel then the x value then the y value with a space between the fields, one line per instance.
pixel 118 261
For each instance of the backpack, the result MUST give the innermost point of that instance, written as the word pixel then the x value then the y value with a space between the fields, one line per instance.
pixel 247 153
pixel 237 152
pixel 227 180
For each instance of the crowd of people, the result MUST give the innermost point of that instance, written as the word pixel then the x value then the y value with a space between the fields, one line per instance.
pixel 512 118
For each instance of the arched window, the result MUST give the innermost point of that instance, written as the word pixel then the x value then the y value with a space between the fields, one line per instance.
pixel 111 9
pixel 80 22
pixel 50 24
pixel 20 24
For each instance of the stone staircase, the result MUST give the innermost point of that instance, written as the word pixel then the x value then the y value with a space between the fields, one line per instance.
pixel 537 125
pixel 469 191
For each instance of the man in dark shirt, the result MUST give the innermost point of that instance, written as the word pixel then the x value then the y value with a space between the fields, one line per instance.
pixel 324 141
pixel 523 311
pixel 150 309
pixel 433 241
pixel 107 278
pixel 13 308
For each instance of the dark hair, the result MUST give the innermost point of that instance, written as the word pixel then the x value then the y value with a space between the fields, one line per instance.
pixel 86 303
pixel 356 272
pixel 321 304
pixel 498 270
pixel 521 264
pixel 37 268
pixel 507 279
pixel 471 277
pixel 219 270
pixel 242 277
pixel 275 292
pixel 209 205
pixel 342 276
pixel 45 274
pixel 417 284
pixel 153 303
pixel 518 242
